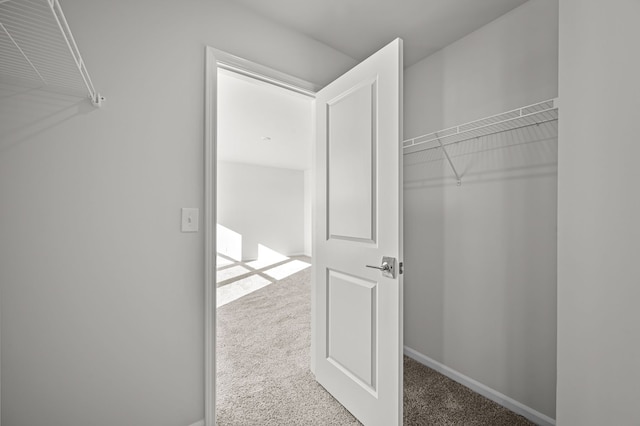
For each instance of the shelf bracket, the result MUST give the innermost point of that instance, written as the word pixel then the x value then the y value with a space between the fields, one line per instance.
pixel 96 100
pixel 61 20
pixel 446 154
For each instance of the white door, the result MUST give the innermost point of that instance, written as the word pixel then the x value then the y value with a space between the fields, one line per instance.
pixel 358 221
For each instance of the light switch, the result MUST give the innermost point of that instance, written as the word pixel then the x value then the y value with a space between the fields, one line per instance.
pixel 190 219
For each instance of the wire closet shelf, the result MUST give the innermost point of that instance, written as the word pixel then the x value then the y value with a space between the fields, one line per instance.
pixel 38 48
pixel 531 115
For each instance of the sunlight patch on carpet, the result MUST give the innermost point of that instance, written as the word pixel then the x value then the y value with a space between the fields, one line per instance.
pixel 232 272
pixel 289 268
pixel 223 261
pixel 230 292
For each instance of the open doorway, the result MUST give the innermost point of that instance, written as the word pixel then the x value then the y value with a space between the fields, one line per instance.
pixel 263 259
pixel 263 184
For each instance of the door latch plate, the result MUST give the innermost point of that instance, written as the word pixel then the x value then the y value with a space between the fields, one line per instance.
pixel 390 270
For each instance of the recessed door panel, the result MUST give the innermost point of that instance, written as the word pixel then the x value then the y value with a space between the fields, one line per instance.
pixel 351 131
pixel 351 328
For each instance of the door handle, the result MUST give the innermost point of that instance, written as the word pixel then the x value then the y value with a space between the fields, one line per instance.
pixel 385 267
pixel 388 267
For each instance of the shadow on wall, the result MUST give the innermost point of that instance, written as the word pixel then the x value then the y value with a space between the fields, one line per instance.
pixel 28 111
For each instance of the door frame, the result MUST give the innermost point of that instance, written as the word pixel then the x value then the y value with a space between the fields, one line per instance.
pixel 215 59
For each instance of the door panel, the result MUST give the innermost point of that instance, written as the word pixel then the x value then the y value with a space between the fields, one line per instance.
pixel 357 344
pixel 351 123
pixel 351 333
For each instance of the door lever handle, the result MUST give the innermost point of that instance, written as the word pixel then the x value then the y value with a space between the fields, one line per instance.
pixel 385 267
pixel 388 267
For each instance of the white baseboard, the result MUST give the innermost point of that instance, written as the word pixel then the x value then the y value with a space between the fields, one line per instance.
pixel 509 403
pixel 298 254
pixel 198 423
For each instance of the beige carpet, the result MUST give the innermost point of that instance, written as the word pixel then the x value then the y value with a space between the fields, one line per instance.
pixel 264 379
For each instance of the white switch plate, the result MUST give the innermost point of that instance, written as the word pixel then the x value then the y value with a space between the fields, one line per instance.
pixel 190 219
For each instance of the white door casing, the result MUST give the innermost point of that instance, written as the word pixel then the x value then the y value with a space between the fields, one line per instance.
pixel 357 318
pixel 215 59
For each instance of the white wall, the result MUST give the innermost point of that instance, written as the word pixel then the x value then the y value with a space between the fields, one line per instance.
pixel 101 294
pixel 250 110
pixel 265 205
pixel 598 211
pixel 480 284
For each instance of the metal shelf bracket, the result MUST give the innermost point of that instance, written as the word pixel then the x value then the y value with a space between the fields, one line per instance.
pixel 446 154
pixel 97 99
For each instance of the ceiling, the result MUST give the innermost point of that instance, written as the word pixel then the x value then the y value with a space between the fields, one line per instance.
pixel 250 110
pixel 358 28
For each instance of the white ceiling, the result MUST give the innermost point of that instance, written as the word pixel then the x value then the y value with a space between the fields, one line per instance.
pixel 249 110
pixel 358 28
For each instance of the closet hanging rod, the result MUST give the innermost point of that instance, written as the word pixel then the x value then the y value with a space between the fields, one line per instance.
pixel 531 115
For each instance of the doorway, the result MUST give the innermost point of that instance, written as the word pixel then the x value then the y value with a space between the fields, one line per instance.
pixel 263 254
pixel 263 184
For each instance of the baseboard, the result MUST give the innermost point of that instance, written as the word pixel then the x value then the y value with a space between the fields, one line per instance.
pixel 298 254
pixel 509 403
pixel 198 423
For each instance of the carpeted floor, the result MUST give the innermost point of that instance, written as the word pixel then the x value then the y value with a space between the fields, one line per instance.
pixel 263 375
